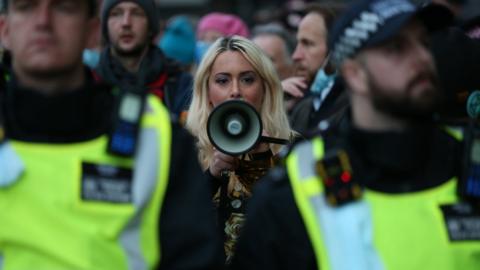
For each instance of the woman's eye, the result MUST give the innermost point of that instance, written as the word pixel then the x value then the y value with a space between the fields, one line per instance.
pixel 248 79
pixel 221 80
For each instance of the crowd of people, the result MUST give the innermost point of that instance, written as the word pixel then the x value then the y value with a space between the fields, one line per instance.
pixel 365 155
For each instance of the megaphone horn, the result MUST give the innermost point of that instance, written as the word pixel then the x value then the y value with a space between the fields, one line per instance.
pixel 234 127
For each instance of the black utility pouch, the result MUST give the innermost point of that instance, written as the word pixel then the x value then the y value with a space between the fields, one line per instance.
pixel 337 178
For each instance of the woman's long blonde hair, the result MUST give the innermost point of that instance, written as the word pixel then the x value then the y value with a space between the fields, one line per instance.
pixel 274 117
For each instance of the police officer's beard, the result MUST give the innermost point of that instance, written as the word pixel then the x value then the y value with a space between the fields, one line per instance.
pixel 401 104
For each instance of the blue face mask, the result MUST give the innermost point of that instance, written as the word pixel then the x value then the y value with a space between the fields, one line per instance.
pixel 201 48
pixel 322 82
pixel 91 58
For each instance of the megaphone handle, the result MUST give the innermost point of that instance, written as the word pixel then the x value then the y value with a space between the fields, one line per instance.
pixel 274 140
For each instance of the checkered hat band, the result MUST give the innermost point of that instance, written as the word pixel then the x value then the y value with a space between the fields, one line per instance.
pixel 355 35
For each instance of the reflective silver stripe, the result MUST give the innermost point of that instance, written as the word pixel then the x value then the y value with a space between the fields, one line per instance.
pixel 145 178
pixel 147 162
pixel 130 241
pixel 306 162
pixel 347 233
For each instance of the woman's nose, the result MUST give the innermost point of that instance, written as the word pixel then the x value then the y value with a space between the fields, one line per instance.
pixel 235 92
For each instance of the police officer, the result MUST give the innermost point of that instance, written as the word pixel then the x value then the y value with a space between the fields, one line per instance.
pixel 385 190
pixel 90 177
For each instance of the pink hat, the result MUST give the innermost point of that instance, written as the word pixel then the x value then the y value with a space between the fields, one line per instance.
pixel 227 24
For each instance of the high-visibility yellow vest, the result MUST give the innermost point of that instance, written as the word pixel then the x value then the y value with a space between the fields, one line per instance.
pixel 379 231
pixel 45 223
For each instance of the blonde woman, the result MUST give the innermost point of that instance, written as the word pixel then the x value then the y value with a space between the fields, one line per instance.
pixel 235 68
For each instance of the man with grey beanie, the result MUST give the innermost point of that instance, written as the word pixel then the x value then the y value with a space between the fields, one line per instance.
pixel 131 60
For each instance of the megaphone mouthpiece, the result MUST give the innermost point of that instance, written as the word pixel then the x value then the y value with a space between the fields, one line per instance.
pixel 235 127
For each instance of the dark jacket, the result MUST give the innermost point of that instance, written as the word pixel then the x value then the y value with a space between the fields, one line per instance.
pixel 457 58
pixel 305 119
pixel 156 71
pixel 187 236
pixel 275 236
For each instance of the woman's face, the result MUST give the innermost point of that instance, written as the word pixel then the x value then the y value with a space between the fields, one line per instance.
pixel 233 77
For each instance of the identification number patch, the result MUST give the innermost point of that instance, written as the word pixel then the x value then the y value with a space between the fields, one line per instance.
pixel 462 222
pixel 106 183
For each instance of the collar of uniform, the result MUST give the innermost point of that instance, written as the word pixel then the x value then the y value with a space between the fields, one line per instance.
pixel 74 116
pixel 393 151
pixel 398 162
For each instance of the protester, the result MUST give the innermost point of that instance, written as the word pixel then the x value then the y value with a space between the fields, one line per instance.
pixel 178 41
pixel 216 25
pixel 380 191
pixel 70 198
pixel 278 44
pixel 130 59
pixel 315 93
pixel 235 68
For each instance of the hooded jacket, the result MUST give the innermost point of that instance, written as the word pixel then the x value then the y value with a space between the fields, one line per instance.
pixel 156 71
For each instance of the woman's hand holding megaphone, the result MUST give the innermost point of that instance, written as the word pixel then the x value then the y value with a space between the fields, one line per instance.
pixel 222 162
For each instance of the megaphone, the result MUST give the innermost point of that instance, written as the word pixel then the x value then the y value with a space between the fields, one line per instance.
pixel 235 127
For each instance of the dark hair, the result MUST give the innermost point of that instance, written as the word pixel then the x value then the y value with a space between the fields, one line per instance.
pixel 329 10
pixel 92 7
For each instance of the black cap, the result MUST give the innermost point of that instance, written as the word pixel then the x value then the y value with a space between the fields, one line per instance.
pixel 369 22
